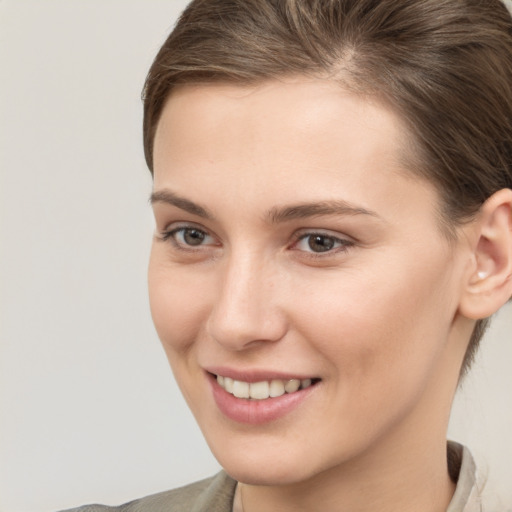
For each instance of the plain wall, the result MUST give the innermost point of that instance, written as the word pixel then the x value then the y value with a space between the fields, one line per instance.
pixel 89 409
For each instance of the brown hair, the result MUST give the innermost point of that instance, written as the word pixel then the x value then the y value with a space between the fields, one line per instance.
pixel 444 65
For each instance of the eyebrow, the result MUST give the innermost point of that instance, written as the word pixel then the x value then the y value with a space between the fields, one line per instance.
pixel 306 210
pixel 275 215
pixel 166 196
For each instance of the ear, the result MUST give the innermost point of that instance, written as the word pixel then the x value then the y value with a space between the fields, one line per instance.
pixel 489 284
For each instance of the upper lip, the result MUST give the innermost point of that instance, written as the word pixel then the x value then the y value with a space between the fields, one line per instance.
pixel 255 375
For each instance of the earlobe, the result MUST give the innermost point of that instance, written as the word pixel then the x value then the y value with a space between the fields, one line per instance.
pixel 490 281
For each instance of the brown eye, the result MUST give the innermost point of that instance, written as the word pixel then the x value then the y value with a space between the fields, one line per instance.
pixel 189 237
pixel 321 243
pixel 317 243
pixel 193 236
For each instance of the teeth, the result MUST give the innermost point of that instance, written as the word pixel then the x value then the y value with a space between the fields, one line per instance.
pixel 305 383
pixel 262 390
pixel 241 389
pixel 259 390
pixel 276 388
pixel 292 385
pixel 228 384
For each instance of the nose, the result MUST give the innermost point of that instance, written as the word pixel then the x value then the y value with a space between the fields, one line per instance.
pixel 246 311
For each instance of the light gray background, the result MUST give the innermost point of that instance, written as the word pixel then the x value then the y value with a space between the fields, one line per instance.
pixel 89 410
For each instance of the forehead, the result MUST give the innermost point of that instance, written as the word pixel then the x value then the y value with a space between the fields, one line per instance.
pixel 302 137
pixel 278 113
pixel 305 98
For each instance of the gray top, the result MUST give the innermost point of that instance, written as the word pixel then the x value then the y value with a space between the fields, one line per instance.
pixel 216 494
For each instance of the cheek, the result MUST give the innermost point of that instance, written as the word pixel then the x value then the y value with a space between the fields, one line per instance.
pixel 177 305
pixel 378 330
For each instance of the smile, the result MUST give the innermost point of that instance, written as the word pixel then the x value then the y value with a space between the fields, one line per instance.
pixel 264 389
pixel 257 397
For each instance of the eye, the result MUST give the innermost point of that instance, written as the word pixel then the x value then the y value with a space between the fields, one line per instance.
pixel 185 237
pixel 321 243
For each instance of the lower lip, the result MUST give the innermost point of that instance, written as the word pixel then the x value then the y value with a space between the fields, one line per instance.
pixel 256 412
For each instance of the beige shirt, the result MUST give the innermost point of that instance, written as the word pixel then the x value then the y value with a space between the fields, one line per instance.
pixel 217 494
pixel 469 493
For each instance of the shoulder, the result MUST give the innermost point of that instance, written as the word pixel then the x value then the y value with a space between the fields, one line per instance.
pixel 211 495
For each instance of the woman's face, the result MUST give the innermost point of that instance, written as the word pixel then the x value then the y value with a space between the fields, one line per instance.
pixel 293 249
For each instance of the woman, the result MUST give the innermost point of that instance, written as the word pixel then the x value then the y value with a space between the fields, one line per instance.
pixel 333 205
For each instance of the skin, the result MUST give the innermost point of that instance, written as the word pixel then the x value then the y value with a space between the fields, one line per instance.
pixel 377 318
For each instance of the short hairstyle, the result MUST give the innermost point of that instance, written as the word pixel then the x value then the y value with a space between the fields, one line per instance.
pixel 445 66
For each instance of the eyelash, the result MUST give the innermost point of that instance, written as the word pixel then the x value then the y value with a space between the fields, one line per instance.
pixel 170 236
pixel 339 244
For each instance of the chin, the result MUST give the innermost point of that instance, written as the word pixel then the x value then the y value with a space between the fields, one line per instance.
pixel 267 473
pixel 265 465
